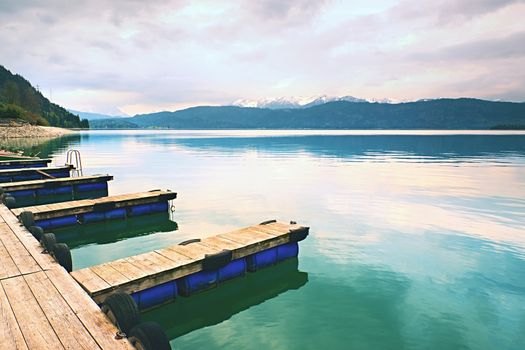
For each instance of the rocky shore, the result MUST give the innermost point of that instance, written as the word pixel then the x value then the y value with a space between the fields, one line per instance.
pixel 16 129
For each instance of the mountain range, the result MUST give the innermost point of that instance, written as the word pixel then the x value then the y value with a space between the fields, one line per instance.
pixel 294 102
pixel 455 114
pixel 93 116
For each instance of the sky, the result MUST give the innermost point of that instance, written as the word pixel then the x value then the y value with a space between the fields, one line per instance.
pixel 133 56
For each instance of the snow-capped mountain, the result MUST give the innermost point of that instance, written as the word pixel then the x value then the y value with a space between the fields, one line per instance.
pixel 298 102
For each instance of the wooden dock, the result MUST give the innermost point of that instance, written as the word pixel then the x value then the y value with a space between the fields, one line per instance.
pixel 5 164
pixel 140 272
pixel 48 183
pixel 41 306
pixel 50 211
pixel 10 175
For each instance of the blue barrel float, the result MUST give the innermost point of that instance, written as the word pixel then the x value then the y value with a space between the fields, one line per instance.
pixel 230 299
pixel 218 268
pixel 115 230
pixel 27 174
pixel 108 211
pixel 52 192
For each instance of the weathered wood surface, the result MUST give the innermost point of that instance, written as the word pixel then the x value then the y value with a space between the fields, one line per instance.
pixel 41 306
pixel 48 211
pixel 147 270
pixel 23 162
pixel 63 181
pixel 10 172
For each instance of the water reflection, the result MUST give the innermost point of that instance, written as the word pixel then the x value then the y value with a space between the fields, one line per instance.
pixel 372 146
pixel 27 201
pixel 40 147
pixel 215 306
pixel 417 241
pixel 115 230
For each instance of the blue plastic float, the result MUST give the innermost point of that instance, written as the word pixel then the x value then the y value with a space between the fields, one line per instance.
pixel 16 165
pixel 109 213
pixel 206 279
pixel 33 175
pixel 46 193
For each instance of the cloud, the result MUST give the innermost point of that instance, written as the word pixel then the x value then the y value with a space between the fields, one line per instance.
pixel 447 11
pixel 281 10
pixel 173 53
pixel 485 49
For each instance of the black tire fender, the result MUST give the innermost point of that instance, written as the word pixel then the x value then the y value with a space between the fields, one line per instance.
pixel 26 218
pixel 48 241
pixel 122 311
pixel 299 234
pixel 62 255
pixel 104 206
pixel 9 201
pixel 36 231
pixel 150 336
pixel 217 260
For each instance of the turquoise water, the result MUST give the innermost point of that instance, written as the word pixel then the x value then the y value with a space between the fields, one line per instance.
pixel 417 239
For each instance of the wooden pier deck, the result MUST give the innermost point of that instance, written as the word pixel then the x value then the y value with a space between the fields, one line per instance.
pixel 41 306
pixel 44 172
pixel 147 270
pixel 49 211
pixel 23 162
pixel 63 181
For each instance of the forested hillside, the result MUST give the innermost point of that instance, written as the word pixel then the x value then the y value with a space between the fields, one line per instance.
pixel 462 114
pixel 19 99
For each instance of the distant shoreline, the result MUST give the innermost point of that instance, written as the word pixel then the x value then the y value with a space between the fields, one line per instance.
pixel 32 131
pixel 312 132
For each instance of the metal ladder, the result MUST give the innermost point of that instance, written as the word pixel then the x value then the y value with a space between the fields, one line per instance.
pixel 73 158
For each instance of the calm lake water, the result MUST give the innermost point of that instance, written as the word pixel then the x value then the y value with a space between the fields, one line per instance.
pixel 417 238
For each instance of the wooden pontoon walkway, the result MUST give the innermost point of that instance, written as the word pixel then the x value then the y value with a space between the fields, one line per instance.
pixel 41 306
pixel 147 270
pixel 49 211
pixel 44 172
pixel 23 162
pixel 62 181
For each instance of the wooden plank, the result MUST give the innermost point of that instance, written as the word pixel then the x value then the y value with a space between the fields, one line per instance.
pixel 45 174
pixel 25 161
pixel 70 331
pixel 174 255
pixel 221 243
pixel 179 261
pixel 99 326
pixel 63 181
pixel 35 327
pixel 194 251
pixel 147 269
pixel 7 265
pixel 90 280
pixel 45 261
pixel 247 237
pixel 8 172
pixel 128 270
pixel 149 281
pixel 109 274
pixel 45 309
pixel 20 255
pixel 87 205
pixel 151 262
pixel 271 230
pixel 10 333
